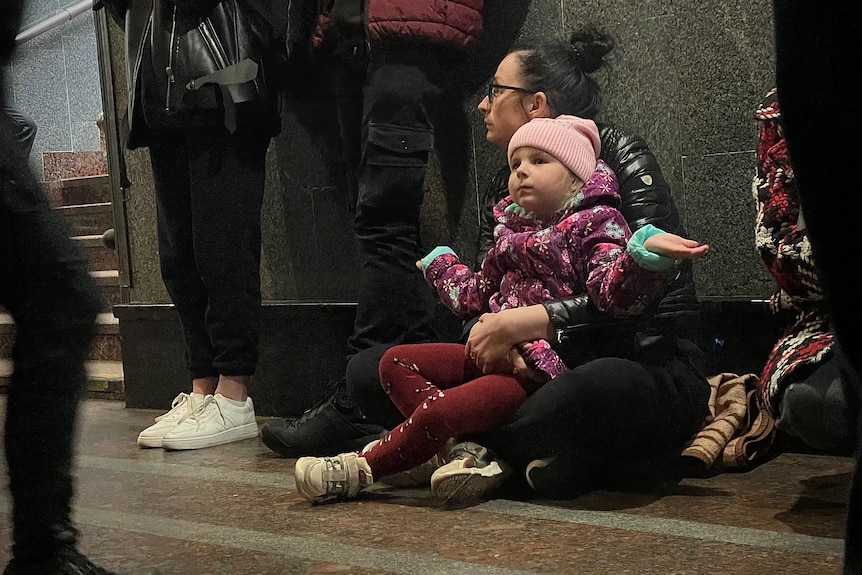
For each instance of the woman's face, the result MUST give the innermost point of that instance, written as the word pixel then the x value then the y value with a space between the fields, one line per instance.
pixel 510 109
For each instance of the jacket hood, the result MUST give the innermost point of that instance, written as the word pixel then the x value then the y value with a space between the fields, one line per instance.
pixel 600 190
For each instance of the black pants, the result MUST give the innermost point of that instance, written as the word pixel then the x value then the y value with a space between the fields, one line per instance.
pixel 817 73
pixel 606 421
pixel 399 94
pixel 46 286
pixel 209 193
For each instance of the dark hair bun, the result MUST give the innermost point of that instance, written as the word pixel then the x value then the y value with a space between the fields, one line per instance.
pixel 591 47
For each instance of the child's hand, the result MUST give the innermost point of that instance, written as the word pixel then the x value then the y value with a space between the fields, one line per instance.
pixel 674 246
pixel 420 266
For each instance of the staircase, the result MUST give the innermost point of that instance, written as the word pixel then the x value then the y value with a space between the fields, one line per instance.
pixel 85 202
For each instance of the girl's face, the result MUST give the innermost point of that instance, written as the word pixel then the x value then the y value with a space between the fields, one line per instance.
pixel 506 109
pixel 539 183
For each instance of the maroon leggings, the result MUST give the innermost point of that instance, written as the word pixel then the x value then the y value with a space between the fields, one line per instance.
pixel 415 377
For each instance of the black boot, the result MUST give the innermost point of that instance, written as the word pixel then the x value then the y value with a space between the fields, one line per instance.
pixel 331 427
pixel 50 551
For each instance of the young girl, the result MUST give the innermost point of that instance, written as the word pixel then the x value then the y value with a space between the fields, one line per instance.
pixel 559 233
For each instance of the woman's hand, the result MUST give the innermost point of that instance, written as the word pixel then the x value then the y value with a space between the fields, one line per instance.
pixel 495 334
pixel 674 246
pixel 489 344
pixel 521 370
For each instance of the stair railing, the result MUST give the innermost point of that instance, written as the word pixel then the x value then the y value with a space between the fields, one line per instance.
pixel 62 16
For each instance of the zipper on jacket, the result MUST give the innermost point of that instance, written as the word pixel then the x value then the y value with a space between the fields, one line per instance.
pixel 211 40
pixel 169 70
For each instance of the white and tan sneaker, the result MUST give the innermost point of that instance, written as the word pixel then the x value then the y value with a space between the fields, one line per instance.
pixel 217 420
pixel 322 478
pixel 182 405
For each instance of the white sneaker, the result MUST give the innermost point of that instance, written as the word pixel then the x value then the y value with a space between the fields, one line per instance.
pixel 217 420
pixel 183 405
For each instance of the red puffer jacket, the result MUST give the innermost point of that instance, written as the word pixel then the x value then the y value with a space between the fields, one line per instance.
pixel 455 23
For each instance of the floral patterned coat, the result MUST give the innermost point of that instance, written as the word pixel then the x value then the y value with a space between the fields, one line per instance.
pixel 582 249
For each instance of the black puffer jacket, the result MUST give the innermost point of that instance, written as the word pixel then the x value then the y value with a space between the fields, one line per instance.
pixel 208 63
pixel 583 333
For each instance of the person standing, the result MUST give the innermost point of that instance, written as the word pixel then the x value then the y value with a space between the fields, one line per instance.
pixel 199 101
pixel 817 73
pixel 400 55
pixel 46 286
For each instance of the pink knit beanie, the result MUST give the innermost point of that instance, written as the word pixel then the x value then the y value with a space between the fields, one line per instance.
pixel 571 140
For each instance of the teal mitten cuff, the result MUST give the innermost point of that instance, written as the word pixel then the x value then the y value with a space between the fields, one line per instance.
pixel 436 252
pixel 645 258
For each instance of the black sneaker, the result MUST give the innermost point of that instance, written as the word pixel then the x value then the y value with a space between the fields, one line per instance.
pixel 328 428
pixel 68 561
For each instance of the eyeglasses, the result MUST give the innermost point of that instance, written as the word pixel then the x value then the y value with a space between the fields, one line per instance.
pixel 494 90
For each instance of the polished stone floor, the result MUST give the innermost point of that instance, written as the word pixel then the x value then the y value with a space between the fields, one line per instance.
pixel 233 510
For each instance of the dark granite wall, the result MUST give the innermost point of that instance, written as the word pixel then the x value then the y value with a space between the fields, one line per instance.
pixel 685 76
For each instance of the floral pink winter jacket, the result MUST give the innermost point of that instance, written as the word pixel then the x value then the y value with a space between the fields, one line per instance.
pixel 581 249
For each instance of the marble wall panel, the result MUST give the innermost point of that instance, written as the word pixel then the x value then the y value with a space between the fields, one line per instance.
pixel 719 209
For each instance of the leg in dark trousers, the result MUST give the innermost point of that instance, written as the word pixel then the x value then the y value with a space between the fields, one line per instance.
pixel 605 415
pixel 209 193
pixel 363 386
pixel 817 73
pixel 395 303
pixel 46 286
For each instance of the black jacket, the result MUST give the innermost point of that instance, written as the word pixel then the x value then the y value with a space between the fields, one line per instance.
pixel 584 333
pixel 186 42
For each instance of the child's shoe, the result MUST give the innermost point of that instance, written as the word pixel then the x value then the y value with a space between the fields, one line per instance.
pixel 471 472
pixel 322 478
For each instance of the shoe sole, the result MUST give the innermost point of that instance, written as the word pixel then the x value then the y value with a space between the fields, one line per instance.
pixel 535 474
pixel 468 485
pixel 247 431
pixel 149 442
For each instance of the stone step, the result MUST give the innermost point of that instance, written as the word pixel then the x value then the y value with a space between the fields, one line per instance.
pixel 106 338
pixel 104 378
pixel 77 191
pixel 106 278
pixel 101 258
pixel 88 219
pixel 109 281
